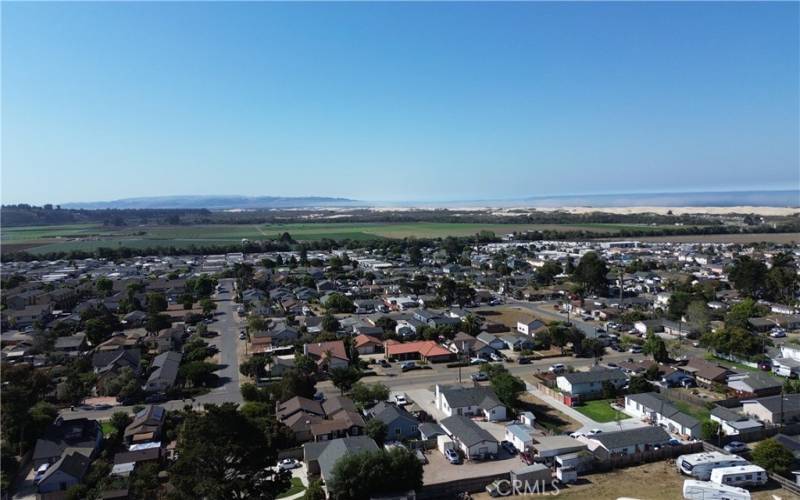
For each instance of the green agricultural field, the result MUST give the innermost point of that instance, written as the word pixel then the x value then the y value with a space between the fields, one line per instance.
pixel 87 237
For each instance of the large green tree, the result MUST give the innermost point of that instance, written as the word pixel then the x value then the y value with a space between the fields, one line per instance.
pixel 360 476
pixel 224 455
pixel 773 456
pixel 591 273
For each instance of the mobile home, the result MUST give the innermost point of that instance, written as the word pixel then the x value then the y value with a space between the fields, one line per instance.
pixel 740 475
pixel 700 465
pixel 705 490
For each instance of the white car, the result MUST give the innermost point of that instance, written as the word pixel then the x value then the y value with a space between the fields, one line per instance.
pixel 495 357
pixel 777 334
pixel 594 432
pixel 558 368
pixel 288 464
pixel 477 361
pixel 400 399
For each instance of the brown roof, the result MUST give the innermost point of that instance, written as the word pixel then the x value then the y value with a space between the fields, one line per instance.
pixel 705 370
pixel 299 404
pixel 320 349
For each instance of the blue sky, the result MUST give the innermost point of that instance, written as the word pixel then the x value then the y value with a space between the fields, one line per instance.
pixel 397 101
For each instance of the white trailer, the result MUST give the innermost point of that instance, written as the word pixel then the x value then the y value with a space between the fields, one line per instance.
pixel 744 475
pixel 700 465
pixel 706 490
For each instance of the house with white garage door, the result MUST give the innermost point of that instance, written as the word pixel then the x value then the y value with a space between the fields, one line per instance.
pixel 473 441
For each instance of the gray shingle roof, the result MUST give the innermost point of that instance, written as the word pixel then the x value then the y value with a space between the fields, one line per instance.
pixel 466 431
pixel 461 397
pixel 642 436
pixel 663 406
pixel 599 375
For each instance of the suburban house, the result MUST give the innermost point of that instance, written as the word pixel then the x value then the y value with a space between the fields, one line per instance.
pixel 321 457
pixel 400 424
pixel 474 441
pixel 733 423
pixel 462 343
pixel 491 340
pixel 658 410
pixel 146 425
pixel 584 385
pixel 706 373
pixel 166 371
pixel 81 435
pixel 299 404
pixel 366 344
pixel 753 385
pixel 774 409
pixel 530 328
pixel 470 401
pixel 426 350
pixel 626 442
pixel 430 430
pixel 66 472
pixel 71 345
pixel 328 355
pixel 788 363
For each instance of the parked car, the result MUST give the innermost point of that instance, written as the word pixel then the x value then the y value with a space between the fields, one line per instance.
pixel 477 361
pixel 508 447
pixel 765 366
pixel 735 447
pixel 495 357
pixel 242 336
pixel 558 368
pixel 288 464
pixel 452 456
pixel 635 349
pixel 479 377
pixel 400 399
pixel 524 360
pixel 384 363
pixel 777 334
pixel 408 365
pixel 40 472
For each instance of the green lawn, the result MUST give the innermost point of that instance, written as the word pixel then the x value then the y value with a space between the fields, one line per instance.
pixel 601 411
pixel 297 487
pixel 107 427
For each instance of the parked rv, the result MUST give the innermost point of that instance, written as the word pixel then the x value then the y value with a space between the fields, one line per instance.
pixel 700 465
pixel 743 475
pixel 705 490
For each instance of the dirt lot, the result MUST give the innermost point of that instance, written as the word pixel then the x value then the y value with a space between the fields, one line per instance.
pixel 439 470
pixel 547 416
pixel 507 315
pixel 655 481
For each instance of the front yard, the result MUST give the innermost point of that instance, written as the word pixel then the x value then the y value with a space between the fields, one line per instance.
pixel 600 410
pixel 297 487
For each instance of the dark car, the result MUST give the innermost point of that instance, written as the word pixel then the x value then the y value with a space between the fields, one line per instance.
pixel 385 363
pixel 524 361
pixel 508 447
pixel 155 398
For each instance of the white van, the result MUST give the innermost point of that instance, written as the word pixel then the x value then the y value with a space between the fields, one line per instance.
pixel 700 465
pixel 744 475
pixel 706 490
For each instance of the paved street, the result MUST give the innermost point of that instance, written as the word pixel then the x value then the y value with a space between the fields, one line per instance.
pixel 227 341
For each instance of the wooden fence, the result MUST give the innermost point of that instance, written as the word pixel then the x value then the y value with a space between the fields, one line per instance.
pixel 643 457
pixel 451 489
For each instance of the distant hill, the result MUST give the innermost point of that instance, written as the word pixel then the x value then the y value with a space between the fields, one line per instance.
pixel 212 202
